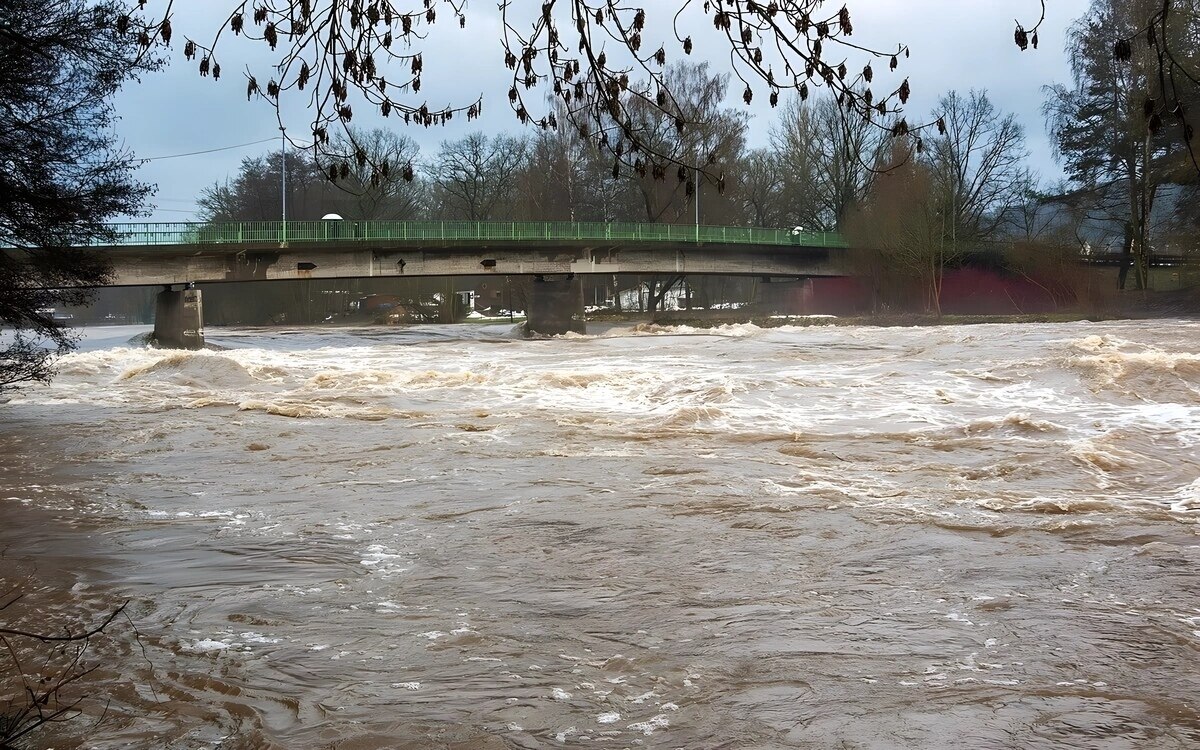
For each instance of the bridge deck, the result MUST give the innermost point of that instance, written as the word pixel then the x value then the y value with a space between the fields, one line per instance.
pixel 425 233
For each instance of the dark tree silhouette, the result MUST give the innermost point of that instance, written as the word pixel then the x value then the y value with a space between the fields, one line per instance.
pixel 63 174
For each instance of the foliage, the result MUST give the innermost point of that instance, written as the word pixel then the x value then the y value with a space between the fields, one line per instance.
pixel 900 221
pixel 1113 126
pixel 64 175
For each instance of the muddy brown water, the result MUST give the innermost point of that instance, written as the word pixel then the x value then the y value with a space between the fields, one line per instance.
pixel 975 536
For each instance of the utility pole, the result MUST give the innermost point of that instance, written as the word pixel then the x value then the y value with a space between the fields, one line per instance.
pixel 283 180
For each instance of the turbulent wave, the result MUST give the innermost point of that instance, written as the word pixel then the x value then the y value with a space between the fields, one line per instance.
pixel 1139 371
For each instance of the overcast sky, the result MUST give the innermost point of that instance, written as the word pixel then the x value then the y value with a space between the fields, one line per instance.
pixel 956 44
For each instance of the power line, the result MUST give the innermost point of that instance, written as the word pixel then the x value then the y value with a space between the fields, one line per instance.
pixel 209 151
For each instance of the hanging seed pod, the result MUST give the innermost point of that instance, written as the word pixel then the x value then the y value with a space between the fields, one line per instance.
pixel 236 22
pixel 122 25
pixel 204 65
pixel 844 21
pixel 904 91
pixel 251 88
pixel 941 126
pixel 462 21
pixel 868 73
pixel 841 71
pixel 272 89
pixel 189 50
pixel 687 46
pixel 774 99
pixel 1021 38
pixel 216 71
pixel 1122 50
pixel 660 57
pixel 747 95
pixel 260 14
pixel 661 98
pixel 682 174
pixel 1033 39
pixel 894 63
pixel 803 91
pixel 385 109
pixel 164 31
pixel 407 173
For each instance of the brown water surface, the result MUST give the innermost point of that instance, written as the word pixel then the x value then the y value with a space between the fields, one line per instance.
pixel 979 536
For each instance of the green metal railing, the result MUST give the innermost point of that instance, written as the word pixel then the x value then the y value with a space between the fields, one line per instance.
pixel 273 232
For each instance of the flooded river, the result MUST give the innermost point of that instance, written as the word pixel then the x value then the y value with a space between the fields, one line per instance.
pixel 447 537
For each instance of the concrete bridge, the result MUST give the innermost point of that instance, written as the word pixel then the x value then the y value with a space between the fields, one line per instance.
pixel 555 254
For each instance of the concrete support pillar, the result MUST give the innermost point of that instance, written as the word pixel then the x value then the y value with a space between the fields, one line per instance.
pixel 555 306
pixel 179 319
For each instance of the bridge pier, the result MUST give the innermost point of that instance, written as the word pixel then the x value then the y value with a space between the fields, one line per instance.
pixel 179 319
pixel 555 306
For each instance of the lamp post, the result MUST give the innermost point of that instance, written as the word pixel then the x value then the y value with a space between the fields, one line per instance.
pixel 283 179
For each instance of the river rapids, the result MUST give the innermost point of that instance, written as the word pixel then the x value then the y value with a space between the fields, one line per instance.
pixel 449 537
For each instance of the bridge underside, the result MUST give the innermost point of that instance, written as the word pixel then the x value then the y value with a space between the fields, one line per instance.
pixel 555 305
pixel 139 266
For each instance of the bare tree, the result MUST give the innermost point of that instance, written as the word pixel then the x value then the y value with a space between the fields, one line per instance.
pixel 474 177
pixel 584 53
pixel 715 140
pixel 760 188
pixel 978 166
pixel 384 192
pixel 828 159
pixel 255 192
pixel 899 226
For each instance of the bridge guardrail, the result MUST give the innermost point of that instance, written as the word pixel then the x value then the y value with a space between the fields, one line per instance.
pixel 195 233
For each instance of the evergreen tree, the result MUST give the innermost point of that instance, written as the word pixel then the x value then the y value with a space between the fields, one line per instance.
pixel 63 174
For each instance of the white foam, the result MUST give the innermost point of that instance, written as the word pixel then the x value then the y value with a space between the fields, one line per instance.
pixel 652 724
